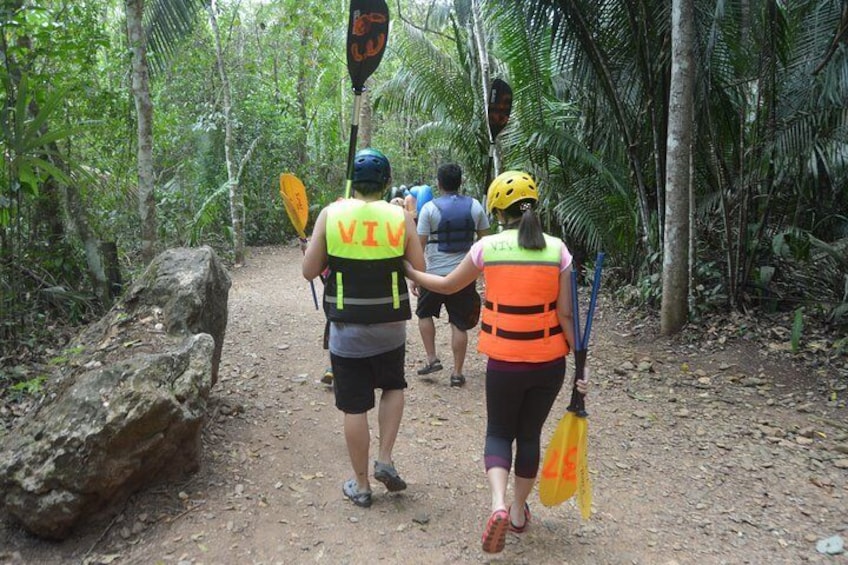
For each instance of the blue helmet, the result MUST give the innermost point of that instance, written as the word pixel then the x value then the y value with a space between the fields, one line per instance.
pixel 369 165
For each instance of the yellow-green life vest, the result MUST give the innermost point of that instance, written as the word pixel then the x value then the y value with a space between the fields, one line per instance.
pixel 365 244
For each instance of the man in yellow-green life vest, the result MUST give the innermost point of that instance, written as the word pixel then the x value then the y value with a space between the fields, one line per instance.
pixel 364 241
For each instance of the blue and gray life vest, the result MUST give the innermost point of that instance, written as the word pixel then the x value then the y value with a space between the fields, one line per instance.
pixel 455 232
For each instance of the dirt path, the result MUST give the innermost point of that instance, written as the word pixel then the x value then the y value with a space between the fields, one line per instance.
pixel 700 453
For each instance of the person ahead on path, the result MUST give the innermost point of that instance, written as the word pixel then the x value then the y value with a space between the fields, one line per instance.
pixel 447 226
pixel 364 241
pixel 526 332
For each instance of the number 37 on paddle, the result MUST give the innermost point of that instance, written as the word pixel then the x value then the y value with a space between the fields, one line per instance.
pixel 565 469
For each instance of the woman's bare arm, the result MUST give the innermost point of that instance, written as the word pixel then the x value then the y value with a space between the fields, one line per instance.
pixel 464 274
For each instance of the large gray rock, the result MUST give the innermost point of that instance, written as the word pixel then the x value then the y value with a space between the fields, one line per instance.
pixel 128 407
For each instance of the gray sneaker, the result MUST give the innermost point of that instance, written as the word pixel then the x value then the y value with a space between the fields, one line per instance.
pixel 388 475
pixel 358 497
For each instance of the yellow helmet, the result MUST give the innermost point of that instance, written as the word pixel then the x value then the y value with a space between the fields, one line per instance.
pixel 510 187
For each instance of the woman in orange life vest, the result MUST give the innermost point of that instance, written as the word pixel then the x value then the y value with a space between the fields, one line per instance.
pixel 526 332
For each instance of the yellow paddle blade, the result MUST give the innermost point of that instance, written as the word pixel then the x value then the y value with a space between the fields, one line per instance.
pixel 294 199
pixel 584 484
pixel 558 480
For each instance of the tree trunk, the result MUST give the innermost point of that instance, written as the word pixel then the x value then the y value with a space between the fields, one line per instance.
pixel 302 87
pixel 673 314
pixel 365 120
pixel 236 194
pixel 144 112
pixel 483 65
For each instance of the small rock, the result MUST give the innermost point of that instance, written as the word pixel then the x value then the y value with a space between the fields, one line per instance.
pixel 834 545
pixel 841 463
pixel 421 519
pixel 806 408
pixel 645 367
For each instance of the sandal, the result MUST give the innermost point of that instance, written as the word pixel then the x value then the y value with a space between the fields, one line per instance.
pixel 388 475
pixel 359 497
pixel 436 365
pixel 457 380
pixel 327 378
pixel 494 536
pixel 523 528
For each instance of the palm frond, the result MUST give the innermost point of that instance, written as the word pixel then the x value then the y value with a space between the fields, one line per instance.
pixel 165 23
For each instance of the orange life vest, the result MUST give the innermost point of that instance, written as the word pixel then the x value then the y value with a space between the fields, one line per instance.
pixel 520 321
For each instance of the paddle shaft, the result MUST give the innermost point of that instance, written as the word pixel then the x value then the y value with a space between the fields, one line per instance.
pixel 354 131
pixel 311 283
pixel 578 401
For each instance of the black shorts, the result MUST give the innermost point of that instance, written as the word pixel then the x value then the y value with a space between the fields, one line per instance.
pixel 463 306
pixel 355 379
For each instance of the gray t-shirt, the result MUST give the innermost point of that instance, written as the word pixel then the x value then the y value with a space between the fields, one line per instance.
pixel 442 262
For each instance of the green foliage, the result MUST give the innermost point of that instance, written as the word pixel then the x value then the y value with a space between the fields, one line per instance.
pixel 710 291
pixel 588 121
pixel 17 383
pixel 67 354
pixel 30 387
pixel 650 285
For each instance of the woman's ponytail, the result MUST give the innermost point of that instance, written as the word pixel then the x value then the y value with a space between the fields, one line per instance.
pixel 530 234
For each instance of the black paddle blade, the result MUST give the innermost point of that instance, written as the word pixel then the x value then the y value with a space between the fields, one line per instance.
pixel 500 105
pixel 367 33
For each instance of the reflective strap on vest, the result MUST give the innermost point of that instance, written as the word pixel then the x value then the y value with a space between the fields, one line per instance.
pixel 506 309
pixel 521 336
pixel 395 291
pixel 393 300
pixel 339 292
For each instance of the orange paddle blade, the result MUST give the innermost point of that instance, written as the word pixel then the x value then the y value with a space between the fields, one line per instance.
pixel 294 199
pixel 559 477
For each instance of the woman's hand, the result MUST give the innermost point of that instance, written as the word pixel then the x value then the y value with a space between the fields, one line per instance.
pixel 410 271
pixel 583 384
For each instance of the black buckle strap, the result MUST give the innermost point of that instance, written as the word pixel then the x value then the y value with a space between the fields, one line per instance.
pixel 520 336
pixel 535 309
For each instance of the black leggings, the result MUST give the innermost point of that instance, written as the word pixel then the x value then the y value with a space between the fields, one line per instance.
pixel 518 403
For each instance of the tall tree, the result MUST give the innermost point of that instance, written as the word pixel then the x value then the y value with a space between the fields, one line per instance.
pixel 477 32
pixel 235 191
pixel 144 125
pixel 675 278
